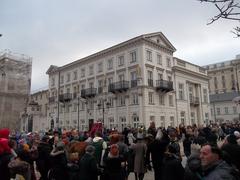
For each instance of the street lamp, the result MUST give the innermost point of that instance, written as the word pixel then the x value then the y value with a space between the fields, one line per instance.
pixel 103 104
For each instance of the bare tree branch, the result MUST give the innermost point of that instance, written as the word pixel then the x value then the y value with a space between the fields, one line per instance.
pixel 227 9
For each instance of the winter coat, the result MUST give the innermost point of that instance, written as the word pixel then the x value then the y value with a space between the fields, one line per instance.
pixel 88 168
pixel 140 150
pixel 100 145
pixel 219 171
pixel 4 170
pixel 43 160
pixel 73 171
pixel 231 153
pixel 113 168
pixel 58 170
pixel 172 162
pixel 193 169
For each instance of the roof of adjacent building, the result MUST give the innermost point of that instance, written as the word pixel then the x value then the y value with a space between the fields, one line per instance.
pixel 223 96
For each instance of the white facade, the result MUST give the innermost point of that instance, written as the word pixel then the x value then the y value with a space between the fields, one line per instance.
pixel 135 83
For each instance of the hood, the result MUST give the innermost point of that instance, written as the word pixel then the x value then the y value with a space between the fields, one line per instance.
pixel 4 133
pixel 97 139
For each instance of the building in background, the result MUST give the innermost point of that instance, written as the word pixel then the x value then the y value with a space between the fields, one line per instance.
pixel 34 118
pixel 15 84
pixel 129 84
pixel 223 88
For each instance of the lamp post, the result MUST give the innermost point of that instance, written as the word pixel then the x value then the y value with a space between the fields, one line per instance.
pixel 103 105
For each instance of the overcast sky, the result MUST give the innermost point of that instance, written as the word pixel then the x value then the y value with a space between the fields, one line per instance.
pixel 61 31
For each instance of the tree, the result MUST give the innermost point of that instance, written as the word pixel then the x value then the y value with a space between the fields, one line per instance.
pixel 227 9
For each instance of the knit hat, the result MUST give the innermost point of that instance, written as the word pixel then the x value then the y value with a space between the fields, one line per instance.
pixel 114 151
pixel 4 133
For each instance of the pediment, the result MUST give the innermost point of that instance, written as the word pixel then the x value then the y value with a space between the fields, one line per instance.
pixel 160 39
pixel 51 69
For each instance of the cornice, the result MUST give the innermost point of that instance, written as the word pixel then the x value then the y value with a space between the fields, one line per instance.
pixel 160 69
pixel 149 65
pixel 110 72
pixel 121 70
pixel 133 66
pixel 191 73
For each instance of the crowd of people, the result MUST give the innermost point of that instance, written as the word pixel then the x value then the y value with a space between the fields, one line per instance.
pixel 213 153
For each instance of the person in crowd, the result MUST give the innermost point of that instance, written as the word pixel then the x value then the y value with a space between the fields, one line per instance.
pixel 5 154
pixel 100 147
pixel 187 145
pixel 231 151
pixel 156 151
pixel 131 138
pixel 88 165
pixel 174 141
pixel 152 129
pixel 140 150
pixel 172 162
pixel 214 168
pixel 113 168
pixel 43 160
pixel 58 157
pixel 73 166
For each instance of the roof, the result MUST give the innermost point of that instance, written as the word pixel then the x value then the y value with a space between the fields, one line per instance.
pixel 145 37
pixel 223 97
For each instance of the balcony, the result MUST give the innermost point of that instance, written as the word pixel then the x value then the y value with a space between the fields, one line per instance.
pixel 120 86
pixel 66 97
pixel 164 86
pixel 150 82
pixel 194 101
pixel 134 83
pixel 88 93
pixel 51 99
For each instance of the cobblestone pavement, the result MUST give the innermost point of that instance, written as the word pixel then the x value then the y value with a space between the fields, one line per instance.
pixel 148 176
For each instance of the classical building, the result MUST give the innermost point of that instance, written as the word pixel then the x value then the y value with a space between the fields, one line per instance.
pixel 223 88
pixel 34 118
pixel 129 84
pixel 15 84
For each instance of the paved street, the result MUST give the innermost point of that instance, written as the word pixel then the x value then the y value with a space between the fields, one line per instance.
pixel 148 176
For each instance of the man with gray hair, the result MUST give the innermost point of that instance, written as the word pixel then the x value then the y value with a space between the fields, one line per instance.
pixel 88 165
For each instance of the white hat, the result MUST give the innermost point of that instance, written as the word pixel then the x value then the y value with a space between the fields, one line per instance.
pixel 237 134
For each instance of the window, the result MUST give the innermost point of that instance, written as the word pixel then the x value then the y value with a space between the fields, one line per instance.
pixel 110 64
pixel 223 82
pixel 53 82
pixel 226 110
pixel 135 98
pixel 121 100
pixel 135 121
pixel 91 70
pixel 100 67
pixel 161 99
pixel 149 55
pixel 211 111
pixel 170 97
pixel 218 111
pixel 150 98
pixel 133 79
pixel 121 77
pixel 75 106
pixel 169 78
pixel 120 60
pixel 61 79
pixel 160 76
pixel 150 78
pixel 205 96
pixel 83 72
pixel 181 91
pixel 68 90
pixel 91 104
pixel 82 107
pixel 133 56
pixel 110 80
pixel 68 77
pixel 168 62
pixel 172 121
pixel 111 102
pixel 190 89
pixel 162 120
pixel 91 84
pixel 159 59
pixel 123 122
pixel 75 75
pixel 234 110
pixel 111 122
pixel 182 117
